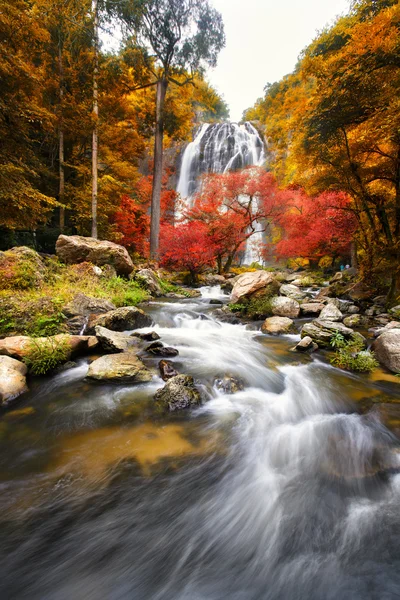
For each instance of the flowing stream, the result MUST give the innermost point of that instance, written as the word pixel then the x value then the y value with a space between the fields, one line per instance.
pixel 285 490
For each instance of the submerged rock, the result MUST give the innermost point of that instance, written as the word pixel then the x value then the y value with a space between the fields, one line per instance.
pixel 306 345
pixel 158 349
pixel 77 249
pixel 178 393
pixel 122 319
pixel 285 307
pixel 229 385
pixel 12 379
pixel 114 341
pixel 387 349
pixel 167 370
pixel 248 283
pixel 278 325
pixel 125 367
pixel 147 337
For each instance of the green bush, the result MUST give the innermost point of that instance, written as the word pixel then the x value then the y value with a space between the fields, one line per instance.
pixel 44 355
pixel 350 355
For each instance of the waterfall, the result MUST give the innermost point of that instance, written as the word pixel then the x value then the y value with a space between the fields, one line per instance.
pixel 218 148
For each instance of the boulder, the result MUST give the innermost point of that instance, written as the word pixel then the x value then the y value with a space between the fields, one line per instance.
pixel 211 279
pixel 226 316
pixel 125 367
pixel 152 336
pixel 330 313
pixel 285 307
pixel 352 309
pixel 321 332
pixel 215 301
pixel 306 345
pixel 158 349
pixel 248 283
pixel 388 327
pixel 12 379
pixel 19 346
pixel 73 249
pixel 178 393
pixel 82 305
pixel 292 291
pixel 387 349
pixel 150 281
pixel 278 325
pixel 352 321
pixel 229 384
pixel 167 370
pixel 21 267
pixel 311 308
pixel 122 319
pixel 114 341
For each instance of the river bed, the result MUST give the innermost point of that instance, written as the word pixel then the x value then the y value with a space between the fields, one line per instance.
pixel 286 490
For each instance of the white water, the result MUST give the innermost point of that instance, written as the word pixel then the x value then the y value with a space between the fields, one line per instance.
pixel 219 148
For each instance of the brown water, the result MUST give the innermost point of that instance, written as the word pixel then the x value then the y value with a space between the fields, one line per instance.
pixel 286 490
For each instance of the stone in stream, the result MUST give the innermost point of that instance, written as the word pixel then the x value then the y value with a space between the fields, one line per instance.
pixel 311 308
pixel 330 313
pixel 321 331
pixel 114 341
pixel 158 349
pixel 73 249
pixel 121 319
pixel 352 320
pixel 229 384
pixel 152 336
pixel 285 307
pixel 167 370
pixel 12 379
pixel 20 346
pixel 178 393
pixel 292 291
pixel 125 367
pixel 306 345
pixel 248 283
pixel 278 325
pixel 387 349
pixel 215 301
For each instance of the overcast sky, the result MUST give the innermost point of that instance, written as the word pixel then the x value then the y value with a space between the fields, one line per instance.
pixel 263 41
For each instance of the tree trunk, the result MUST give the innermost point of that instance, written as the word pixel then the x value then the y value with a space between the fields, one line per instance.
pixel 95 140
pixel 61 173
pixel 219 265
pixel 162 85
pixel 353 253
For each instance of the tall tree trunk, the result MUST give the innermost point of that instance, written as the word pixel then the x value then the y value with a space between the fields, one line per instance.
pixel 61 172
pixel 162 85
pixel 95 138
pixel 353 253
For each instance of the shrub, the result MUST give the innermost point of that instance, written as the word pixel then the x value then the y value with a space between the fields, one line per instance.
pixel 350 355
pixel 44 355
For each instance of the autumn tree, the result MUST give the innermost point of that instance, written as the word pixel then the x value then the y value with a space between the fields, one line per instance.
pixel 184 35
pixel 186 247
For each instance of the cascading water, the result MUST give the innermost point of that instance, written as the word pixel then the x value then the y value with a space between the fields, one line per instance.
pixel 218 148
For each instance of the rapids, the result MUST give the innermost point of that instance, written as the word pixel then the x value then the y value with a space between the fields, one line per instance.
pixel 285 490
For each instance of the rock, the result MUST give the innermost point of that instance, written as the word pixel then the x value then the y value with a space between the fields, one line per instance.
pixel 175 296
pixel 226 316
pixel 285 307
pixel 330 313
pixel 108 271
pixel 77 325
pixel 306 345
pixel 229 385
pixel 211 279
pixel 215 301
pixel 167 370
pixel 158 349
pixel 359 292
pixel 278 325
pixel 97 271
pixel 337 277
pixel 248 283
pixel 321 332
pixel 178 393
pixel 147 337
pixel 150 281
pixel 122 319
pixel 395 311
pixel 352 309
pixel 19 346
pixel 21 267
pixel 114 341
pixel 85 305
pixel 292 291
pixel 73 249
pixel 387 349
pixel 12 379
pixel 387 327
pixel 125 367
pixel 352 321
pixel 311 308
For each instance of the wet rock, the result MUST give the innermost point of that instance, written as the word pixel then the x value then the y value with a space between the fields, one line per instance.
pixel 211 279
pixel 178 393
pixel 167 370
pixel 278 325
pixel 285 307
pixel 330 313
pixel 158 349
pixel 352 309
pixel 387 349
pixel 114 341
pixel 229 385
pixel 248 283
pixel 147 337
pixel 226 316
pixel 19 346
pixel 311 308
pixel 175 296
pixel 388 327
pixel 292 291
pixel 77 325
pixel 122 319
pixel 125 367
pixel 82 305
pixel 150 281
pixel 321 332
pixel 12 379
pixel 215 301
pixel 65 367
pixel 306 345
pixel 352 321
pixel 77 249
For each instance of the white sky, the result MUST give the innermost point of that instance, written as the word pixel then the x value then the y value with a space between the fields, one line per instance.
pixel 263 41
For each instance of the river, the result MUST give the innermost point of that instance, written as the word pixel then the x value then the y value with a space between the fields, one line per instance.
pixel 286 490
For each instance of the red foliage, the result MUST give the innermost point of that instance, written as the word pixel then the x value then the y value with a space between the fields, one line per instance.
pixel 315 226
pixel 186 247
